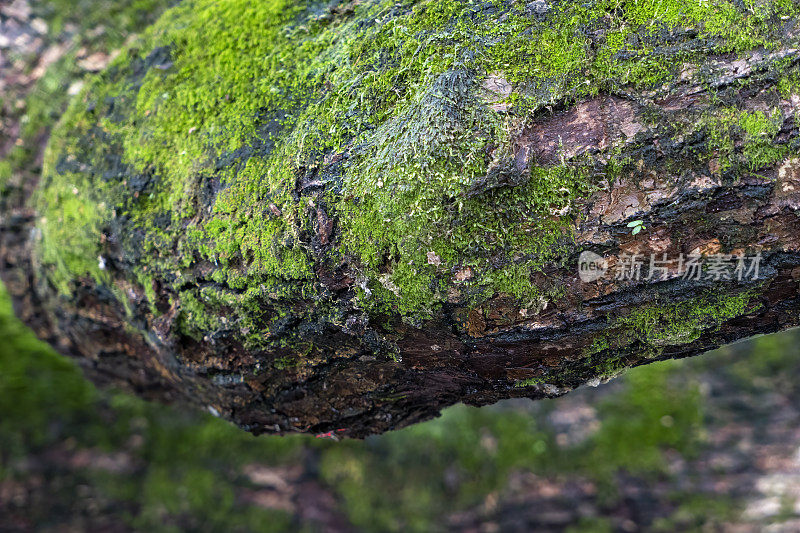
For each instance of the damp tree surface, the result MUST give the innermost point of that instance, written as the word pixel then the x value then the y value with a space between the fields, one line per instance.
pixel 344 217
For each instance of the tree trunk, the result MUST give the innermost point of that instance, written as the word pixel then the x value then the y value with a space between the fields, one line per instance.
pixel 691 160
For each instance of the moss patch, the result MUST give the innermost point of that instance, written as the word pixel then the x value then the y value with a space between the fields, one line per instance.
pixel 208 141
pixel 753 132
pixel 658 325
pixel 683 322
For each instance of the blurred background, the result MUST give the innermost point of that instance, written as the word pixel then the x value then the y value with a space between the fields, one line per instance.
pixel 707 444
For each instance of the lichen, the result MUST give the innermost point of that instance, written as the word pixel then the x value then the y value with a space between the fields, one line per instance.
pixel 198 143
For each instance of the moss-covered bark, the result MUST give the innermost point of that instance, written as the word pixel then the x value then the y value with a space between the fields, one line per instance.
pixel 309 217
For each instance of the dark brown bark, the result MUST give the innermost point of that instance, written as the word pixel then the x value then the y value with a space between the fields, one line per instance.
pixel 477 356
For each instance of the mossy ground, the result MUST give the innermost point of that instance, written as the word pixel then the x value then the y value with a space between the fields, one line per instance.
pixel 222 111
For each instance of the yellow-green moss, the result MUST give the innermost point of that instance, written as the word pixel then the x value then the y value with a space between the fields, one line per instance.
pixel 789 84
pixel 660 324
pixel 528 382
pixel 683 322
pixel 227 106
pixel 755 131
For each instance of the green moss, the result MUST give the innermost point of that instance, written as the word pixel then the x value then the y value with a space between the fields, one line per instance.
pixel 610 367
pixel 760 131
pixel 195 318
pixel 754 131
pixel 71 207
pixel 684 322
pixel 227 107
pixel 657 325
pixel 789 84
pixel 528 382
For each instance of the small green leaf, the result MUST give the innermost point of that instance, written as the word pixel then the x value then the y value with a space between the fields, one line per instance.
pixel 637 229
pixel 634 224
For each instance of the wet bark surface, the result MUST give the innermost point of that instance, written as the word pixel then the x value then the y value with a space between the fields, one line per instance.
pixel 381 373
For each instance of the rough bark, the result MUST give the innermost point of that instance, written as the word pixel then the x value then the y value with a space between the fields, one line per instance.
pixel 369 372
